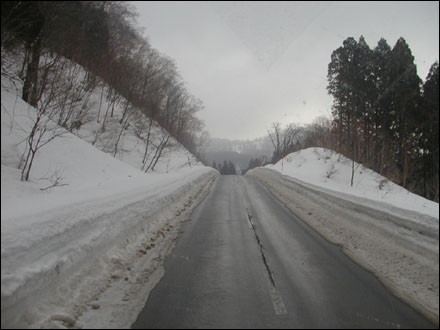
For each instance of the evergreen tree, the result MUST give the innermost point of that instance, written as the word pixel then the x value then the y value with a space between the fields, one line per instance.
pixel 341 72
pixel 225 168
pixel 381 120
pixel 231 168
pixel 429 134
pixel 404 93
pixel 365 90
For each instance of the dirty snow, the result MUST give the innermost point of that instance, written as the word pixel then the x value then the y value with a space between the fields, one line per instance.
pixel 397 241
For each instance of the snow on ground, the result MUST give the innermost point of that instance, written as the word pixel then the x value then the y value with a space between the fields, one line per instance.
pixel 330 170
pixel 384 228
pixel 106 223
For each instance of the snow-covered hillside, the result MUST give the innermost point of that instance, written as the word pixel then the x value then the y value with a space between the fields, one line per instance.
pixel 330 170
pixel 102 221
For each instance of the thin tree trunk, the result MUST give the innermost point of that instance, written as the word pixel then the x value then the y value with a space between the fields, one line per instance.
pixel 160 151
pixel 100 102
pixel 352 164
pixel 148 141
pixel 30 85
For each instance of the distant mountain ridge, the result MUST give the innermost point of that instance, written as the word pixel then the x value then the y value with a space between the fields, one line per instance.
pixel 240 152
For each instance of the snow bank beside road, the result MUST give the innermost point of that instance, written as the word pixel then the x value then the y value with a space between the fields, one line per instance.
pixel 327 169
pixel 69 257
pixel 402 252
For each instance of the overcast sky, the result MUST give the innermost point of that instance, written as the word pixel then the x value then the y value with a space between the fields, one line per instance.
pixel 255 63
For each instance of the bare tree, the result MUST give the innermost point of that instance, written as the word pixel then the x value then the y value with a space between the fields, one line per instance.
pixel 283 141
pixel 275 138
pixel 60 103
pixel 43 131
pixel 163 142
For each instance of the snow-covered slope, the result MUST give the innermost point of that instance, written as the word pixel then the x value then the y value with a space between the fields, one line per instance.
pixel 330 170
pixel 63 247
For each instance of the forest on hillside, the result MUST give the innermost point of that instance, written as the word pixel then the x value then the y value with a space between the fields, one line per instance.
pixel 383 115
pixel 51 38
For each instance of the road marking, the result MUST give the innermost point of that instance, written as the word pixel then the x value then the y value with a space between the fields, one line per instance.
pixel 277 301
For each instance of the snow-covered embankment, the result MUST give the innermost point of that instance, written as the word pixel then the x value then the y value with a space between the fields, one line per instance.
pixel 399 245
pixel 53 271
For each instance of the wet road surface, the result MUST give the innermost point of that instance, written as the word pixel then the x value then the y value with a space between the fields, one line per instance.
pixel 244 261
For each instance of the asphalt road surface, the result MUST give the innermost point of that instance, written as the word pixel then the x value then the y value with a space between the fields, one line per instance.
pixel 244 261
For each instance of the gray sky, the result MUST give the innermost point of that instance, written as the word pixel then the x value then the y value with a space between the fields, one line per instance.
pixel 255 63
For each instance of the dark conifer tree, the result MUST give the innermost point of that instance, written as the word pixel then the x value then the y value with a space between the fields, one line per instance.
pixel 429 134
pixel 231 167
pixel 404 93
pixel 381 119
pixel 225 168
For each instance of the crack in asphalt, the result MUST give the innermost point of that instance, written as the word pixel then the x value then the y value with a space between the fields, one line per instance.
pixel 269 272
pixel 275 295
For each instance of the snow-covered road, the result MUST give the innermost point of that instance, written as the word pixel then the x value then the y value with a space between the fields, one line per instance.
pixel 244 261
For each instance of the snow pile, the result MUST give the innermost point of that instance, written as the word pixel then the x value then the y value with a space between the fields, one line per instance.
pixel 103 222
pixel 381 226
pixel 330 170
